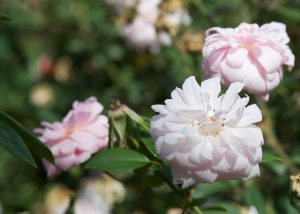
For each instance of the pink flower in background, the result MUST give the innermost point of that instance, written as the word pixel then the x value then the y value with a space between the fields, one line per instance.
pixel 141 33
pixel 152 25
pixel 206 137
pixel 83 132
pixel 149 10
pixel 250 54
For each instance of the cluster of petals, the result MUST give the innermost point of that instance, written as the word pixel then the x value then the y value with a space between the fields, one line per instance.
pixel 142 33
pixel 206 137
pixel 250 54
pixel 83 132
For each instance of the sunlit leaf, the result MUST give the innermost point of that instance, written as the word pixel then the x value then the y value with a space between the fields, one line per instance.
pixel 269 157
pixel 117 159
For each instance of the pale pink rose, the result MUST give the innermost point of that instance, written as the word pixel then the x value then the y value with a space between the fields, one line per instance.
pixel 83 132
pixel 179 17
pixel 141 34
pixel 250 54
pixel 206 137
pixel 149 10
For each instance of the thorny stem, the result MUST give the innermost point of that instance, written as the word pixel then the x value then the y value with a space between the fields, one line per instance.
pixel 271 138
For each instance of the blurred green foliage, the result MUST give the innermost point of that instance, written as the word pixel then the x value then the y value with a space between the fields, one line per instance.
pixel 72 50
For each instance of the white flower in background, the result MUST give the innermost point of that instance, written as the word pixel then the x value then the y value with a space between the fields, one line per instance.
pixel 178 17
pixel 42 95
pixel 98 195
pixel 57 200
pixel 152 26
pixel 206 137
pixel 249 210
pixel 90 202
pixel 142 33
pixel 253 210
pixel 149 10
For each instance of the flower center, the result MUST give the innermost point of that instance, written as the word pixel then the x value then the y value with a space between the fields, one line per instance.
pixel 67 133
pixel 248 43
pixel 213 126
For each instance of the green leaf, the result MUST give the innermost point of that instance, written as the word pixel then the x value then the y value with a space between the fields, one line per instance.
pixel 254 197
pixel 117 159
pixel 33 143
pixel 208 190
pixel 151 181
pixel 216 209
pixel 4 17
pixel 164 171
pixel 289 12
pixel 269 157
pixel 147 141
pixel 13 143
pixel 221 207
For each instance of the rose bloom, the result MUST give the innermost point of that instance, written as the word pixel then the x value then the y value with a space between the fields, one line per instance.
pixel 179 17
pixel 141 33
pixel 98 195
pixel 149 10
pixel 83 132
pixel 250 54
pixel 206 137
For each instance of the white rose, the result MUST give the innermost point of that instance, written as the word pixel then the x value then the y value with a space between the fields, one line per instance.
pixel 207 138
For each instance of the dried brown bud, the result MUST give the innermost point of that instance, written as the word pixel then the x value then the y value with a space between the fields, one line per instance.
pixel 295 184
pixel 191 42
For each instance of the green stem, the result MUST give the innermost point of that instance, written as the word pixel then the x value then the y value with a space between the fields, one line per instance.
pixel 187 196
pixel 197 210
